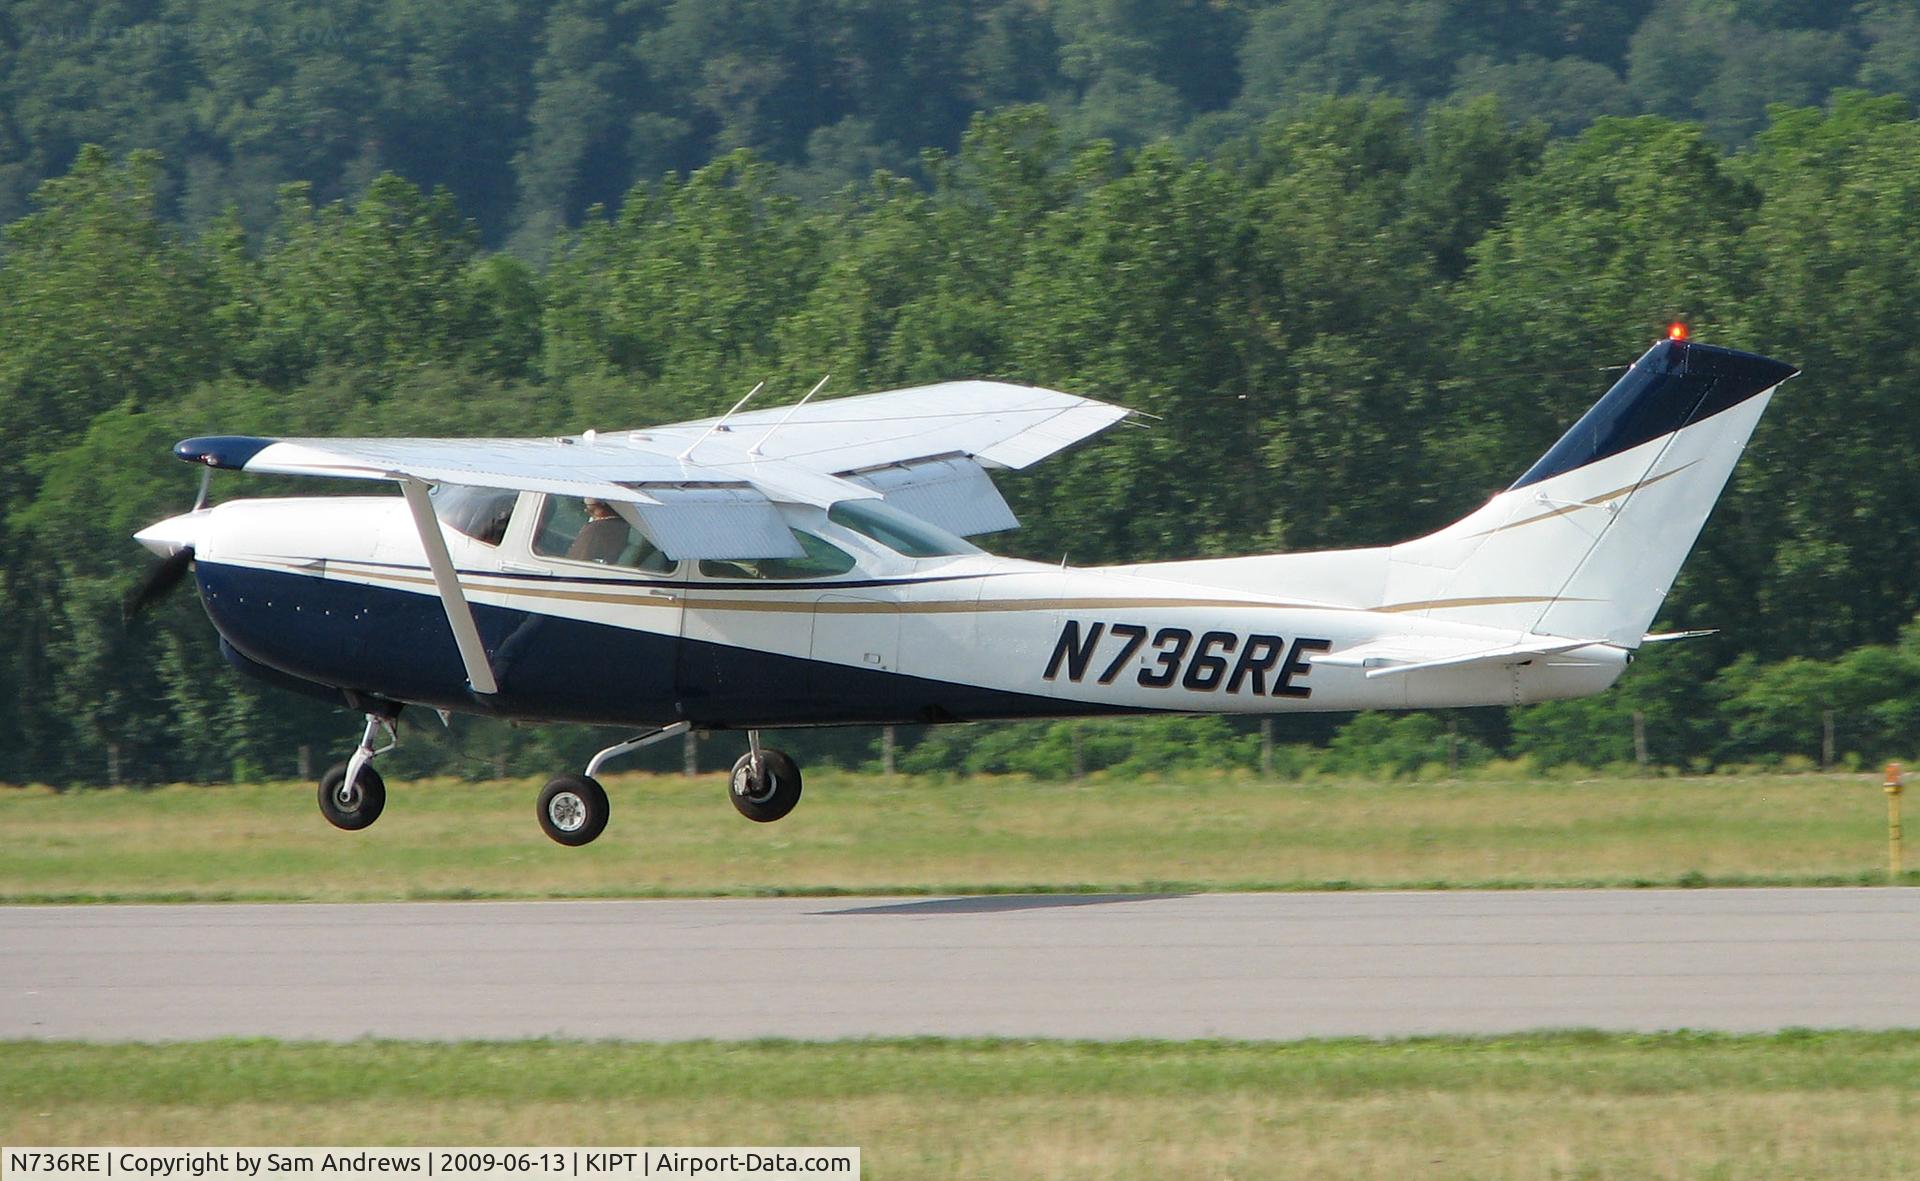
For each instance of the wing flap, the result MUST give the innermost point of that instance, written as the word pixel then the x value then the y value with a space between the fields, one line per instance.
pixel 730 522
pixel 953 492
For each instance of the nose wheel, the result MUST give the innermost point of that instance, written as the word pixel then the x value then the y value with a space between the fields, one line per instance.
pixel 352 794
pixel 765 784
pixel 352 805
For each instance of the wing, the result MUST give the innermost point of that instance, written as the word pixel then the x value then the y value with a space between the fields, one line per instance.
pixel 997 423
pixel 707 489
pixel 710 489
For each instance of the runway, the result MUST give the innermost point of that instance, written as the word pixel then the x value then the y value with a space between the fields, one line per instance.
pixel 1261 966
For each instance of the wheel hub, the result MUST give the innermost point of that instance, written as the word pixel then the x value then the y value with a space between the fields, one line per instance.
pixel 755 789
pixel 567 811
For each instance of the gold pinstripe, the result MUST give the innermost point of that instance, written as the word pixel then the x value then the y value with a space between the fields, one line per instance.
pixel 677 599
pixel 1483 601
pixel 1590 502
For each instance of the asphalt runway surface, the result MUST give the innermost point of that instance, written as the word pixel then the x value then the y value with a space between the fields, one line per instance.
pixel 1261 966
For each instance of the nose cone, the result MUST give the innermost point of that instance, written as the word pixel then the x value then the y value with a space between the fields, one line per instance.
pixel 167 538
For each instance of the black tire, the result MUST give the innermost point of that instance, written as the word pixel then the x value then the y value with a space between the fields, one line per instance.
pixel 573 809
pixel 356 809
pixel 774 795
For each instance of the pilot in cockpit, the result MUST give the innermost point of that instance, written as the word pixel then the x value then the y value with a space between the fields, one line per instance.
pixel 603 538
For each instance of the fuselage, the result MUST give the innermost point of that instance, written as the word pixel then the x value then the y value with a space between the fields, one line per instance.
pixel 336 593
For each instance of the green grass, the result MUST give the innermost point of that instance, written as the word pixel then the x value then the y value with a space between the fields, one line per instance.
pixel 1801 1105
pixel 865 834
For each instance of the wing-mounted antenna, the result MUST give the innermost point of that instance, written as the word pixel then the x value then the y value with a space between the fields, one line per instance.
pixel 688 453
pixel 817 387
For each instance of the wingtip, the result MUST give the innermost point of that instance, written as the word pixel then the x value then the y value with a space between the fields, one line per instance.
pixel 222 451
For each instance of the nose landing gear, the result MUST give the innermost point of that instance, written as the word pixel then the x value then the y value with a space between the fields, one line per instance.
pixel 352 794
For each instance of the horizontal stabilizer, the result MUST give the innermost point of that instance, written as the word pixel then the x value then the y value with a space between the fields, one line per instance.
pixel 1406 654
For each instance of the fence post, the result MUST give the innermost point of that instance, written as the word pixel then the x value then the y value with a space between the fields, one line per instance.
pixel 1266 747
pixel 1079 754
pixel 1453 747
pixel 1894 780
pixel 113 763
pixel 689 755
pixel 303 761
pixel 886 751
pixel 1640 739
pixel 1826 739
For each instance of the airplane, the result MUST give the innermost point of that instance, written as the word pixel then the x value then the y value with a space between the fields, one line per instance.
pixel 808 566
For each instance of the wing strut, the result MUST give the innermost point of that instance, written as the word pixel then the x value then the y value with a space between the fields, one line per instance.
pixel 466 634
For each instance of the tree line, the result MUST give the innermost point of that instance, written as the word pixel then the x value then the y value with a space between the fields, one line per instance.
pixel 532 112
pixel 1351 324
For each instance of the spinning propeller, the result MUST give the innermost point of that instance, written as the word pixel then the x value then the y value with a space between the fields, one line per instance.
pixel 170 541
pixel 158 584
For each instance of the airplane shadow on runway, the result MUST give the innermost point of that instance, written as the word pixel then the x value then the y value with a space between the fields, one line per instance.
pixel 997 903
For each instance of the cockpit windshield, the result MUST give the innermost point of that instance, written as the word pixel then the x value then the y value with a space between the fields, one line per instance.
pixel 480 513
pixel 900 532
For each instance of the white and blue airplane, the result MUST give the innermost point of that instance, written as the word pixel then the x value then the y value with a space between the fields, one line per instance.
pixel 807 566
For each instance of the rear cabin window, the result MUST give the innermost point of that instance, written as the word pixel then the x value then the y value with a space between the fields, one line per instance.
pixel 823 559
pixel 480 513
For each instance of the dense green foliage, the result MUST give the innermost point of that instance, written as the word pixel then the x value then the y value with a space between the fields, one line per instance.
pixel 1355 317
pixel 529 113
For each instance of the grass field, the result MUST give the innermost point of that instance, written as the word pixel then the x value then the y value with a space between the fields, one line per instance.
pixel 674 836
pixel 1829 1105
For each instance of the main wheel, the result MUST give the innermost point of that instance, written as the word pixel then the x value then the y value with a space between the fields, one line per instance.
pixel 356 806
pixel 573 809
pixel 770 795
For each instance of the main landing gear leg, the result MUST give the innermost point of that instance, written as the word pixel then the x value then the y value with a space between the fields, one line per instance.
pixel 573 808
pixel 352 794
pixel 765 784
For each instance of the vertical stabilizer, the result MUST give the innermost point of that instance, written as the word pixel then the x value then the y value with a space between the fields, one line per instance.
pixel 1587 542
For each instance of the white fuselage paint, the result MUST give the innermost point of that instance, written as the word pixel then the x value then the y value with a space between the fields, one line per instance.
pixel 1136 642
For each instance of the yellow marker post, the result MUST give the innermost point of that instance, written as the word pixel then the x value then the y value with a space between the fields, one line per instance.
pixel 1892 784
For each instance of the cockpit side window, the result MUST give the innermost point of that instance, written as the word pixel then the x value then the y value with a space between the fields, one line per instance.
pixel 480 513
pixel 592 531
pixel 822 559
